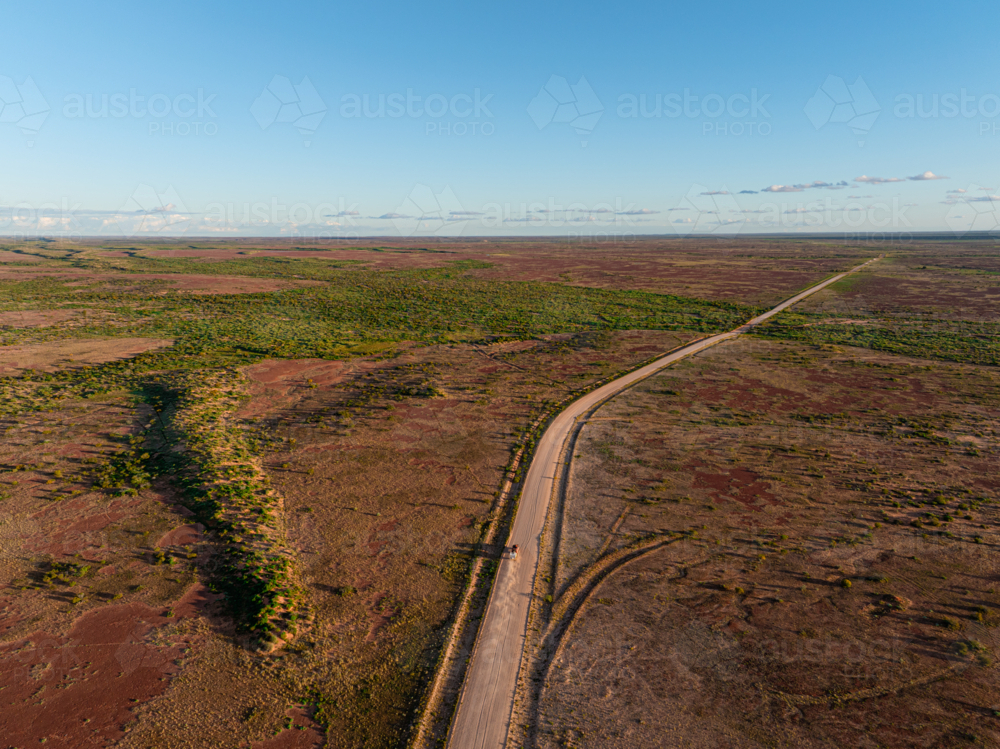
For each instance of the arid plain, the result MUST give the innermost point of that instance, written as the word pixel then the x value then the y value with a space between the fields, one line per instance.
pixel 250 490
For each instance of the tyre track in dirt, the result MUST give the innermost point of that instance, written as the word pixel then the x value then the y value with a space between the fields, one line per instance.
pixel 482 716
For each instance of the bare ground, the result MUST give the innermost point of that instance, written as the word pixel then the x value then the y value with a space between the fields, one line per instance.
pixel 753 481
pixel 49 357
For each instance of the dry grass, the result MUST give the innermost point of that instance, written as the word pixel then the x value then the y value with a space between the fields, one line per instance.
pixel 800 601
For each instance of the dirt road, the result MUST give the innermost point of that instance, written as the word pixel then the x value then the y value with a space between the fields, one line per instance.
pixel 487 698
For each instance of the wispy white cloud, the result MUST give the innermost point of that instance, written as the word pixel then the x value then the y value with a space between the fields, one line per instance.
pixel 815 185
pixel 877 180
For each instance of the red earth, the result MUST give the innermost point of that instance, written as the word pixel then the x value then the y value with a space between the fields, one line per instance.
pixel 79 689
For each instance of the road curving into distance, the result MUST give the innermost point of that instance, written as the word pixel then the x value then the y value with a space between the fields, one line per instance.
pixel 487 699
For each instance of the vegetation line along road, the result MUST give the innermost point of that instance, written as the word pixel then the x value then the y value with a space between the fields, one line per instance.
pixel 482 716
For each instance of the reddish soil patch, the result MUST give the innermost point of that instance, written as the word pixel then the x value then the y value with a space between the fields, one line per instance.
pixel 931 292
pixel 194 601
pixel 922 283
pixel 304 734
pixel 80 689
pixel 753 396
pixel 8 620
pixel 831 578
pixel 275 382
pixel 34 318
pixel 735 484
pixel 182 536
pixel 49 357
pixel 290 372
pixel 80 534
pixel 16 257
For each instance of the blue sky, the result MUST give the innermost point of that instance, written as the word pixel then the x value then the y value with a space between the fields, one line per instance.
pixel 278 146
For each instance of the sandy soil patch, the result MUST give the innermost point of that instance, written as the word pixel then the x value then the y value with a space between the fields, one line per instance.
pixel 285 373
pixel 35 318
pixel 80 689
pixel 75 525
pixel 49 357
pixel 181 536
pixel 16 257
pixel 275 381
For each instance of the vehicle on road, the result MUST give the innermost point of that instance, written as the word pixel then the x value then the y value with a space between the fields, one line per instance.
pixel 482 717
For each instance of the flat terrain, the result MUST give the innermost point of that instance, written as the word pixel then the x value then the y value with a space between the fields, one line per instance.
pixel 482 719
pixel 780 544
pixel 244 485
pixel 752 271
pixel 777 475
